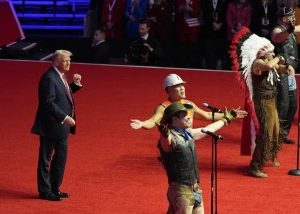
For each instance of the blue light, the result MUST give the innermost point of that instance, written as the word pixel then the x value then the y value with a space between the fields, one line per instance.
pixel 51 15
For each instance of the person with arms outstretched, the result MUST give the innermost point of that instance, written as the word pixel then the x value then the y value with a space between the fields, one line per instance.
pixel 175 89
pixel 179 157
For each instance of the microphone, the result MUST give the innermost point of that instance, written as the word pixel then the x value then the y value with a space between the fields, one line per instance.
pixel 213 134
pixel 212 108
pixel 293 58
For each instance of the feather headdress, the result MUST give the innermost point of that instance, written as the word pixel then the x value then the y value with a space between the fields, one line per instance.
pixel 244 49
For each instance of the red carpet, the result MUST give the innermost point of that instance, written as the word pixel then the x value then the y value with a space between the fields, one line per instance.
pixel 114 169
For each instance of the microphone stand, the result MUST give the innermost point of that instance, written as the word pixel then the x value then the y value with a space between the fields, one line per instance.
pixel 296 172
pixel 214 168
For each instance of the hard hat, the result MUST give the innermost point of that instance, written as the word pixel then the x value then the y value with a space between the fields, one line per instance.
pixel 172 79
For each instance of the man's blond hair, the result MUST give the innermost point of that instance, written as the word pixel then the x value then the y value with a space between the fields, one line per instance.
pixel 58 53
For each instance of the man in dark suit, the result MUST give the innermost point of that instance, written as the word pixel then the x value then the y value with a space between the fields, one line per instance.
pixel 145 50
pixel 100 48
pixel 55 119
pixel 214 34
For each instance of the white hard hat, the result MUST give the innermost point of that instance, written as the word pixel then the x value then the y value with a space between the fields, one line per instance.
pixel 172 79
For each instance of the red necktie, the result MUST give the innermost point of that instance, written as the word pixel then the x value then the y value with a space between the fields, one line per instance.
pixel 67 86
pixel 68 91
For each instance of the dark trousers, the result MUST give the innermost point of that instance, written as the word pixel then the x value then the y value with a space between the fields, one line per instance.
pixel 51 164
pixel 292 108
pixel 286 106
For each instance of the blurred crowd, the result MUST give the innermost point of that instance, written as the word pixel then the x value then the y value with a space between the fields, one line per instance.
pixel 176 33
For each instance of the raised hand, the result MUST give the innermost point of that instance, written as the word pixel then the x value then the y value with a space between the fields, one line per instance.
pixel 290 70
pixel 163 129
pixel 281 60
pixel 240 113
pixel 136 124
pixel 77 79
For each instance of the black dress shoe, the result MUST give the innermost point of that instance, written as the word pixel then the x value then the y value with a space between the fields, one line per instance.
pixel 288 141
pixel 49 197
pixel 62 194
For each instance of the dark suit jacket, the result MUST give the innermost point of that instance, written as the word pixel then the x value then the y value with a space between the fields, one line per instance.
pixel 54 105
pixel 210 15
pixel 136 49
pixel 258 12
pixel 101 53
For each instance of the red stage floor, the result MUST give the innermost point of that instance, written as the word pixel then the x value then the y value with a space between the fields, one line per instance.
pixel 114 169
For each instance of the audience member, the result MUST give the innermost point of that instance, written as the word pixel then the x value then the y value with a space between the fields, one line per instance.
pixel 92 18
pixel 145 50
pixel 178 25
pixel 100 52
pixel 135 10
pixel 162 27
pixel 113 18
pixel 238 14
pixel 96 6
pixel 264 17
pixel 160 14
pixel 187 24
pixel 214 33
